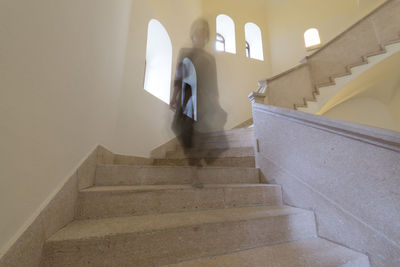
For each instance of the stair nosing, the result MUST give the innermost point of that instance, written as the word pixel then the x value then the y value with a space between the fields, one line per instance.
pixel 146 188
pixel 216 216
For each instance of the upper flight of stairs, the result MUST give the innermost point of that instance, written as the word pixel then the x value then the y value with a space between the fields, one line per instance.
pixel 324 92
pixel 150 215
pixel 321 75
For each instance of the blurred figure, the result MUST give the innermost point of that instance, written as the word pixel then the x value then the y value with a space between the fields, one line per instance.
pixel 195 97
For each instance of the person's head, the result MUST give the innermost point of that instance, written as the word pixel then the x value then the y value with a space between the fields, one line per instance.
pixel 200 33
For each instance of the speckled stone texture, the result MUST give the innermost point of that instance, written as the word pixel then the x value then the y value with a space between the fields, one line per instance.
pixel 167 238
pixel 212 162
pixel 159 175
pixel 151 215
pixel 281 91
pixel 144 215
pixel 308 253
pixel 347 173
pixel 60 211
pixel 112 201
pixel 213 153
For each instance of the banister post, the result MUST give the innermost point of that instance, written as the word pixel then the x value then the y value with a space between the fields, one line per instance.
pixel 258 96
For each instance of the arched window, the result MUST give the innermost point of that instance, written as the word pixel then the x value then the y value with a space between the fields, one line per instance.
pixel 254 41
pixel 226 30
pixel 158 61
pixel 311 38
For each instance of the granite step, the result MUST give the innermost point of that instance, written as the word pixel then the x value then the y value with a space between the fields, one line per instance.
pixel 248 162
pixel 232 133
pixel 113 201
pixel 313 252
pixel 220 142
pixel 170 238
pixel 162 175
pixel 212 153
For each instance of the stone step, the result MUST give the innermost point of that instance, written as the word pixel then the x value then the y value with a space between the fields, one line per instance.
pixel 313 252
pixel 232 132
pixel 113 201
pixel 219 142
pixel 213 153
pixel 170 238
pixel 248 162
pixel 159 175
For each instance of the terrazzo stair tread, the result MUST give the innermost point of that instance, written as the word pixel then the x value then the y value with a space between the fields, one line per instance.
pixel 113 201
pixel 231 137
pixel 215 143
pixel 313 252
pixel 211 153
pixel 153 175
pixel 231 132
pixel 169 238
pixel 225 161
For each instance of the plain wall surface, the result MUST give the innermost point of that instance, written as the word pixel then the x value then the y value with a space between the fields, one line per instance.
pixel 61 65
pixel 144 122
pixel 372 99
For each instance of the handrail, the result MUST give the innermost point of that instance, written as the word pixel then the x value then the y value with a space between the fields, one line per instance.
pixel 349 29
pixel 304 60
pixel 376 136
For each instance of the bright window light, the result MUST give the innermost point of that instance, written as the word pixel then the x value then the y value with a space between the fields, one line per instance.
pixel 220 43
pixel 311 37
pixel 226 28
pixel 254 41
pixel 158 61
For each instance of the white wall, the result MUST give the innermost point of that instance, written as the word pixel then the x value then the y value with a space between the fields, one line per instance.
pixel 288 20
pixel 368 111
pixel 372 99
pixel 61 64
pixel 144 122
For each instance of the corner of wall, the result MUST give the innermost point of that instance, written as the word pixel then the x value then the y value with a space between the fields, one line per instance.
pixel 58 210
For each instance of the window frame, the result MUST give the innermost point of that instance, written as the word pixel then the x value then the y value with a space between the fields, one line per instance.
pixel 222 41
pixel 248 55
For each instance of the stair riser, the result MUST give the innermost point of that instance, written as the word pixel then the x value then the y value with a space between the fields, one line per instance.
pixel 211 144
pixel 248 162
pixel 235 152
pixel 311 252
pixel 173 245
pixel 125 203
pixel 130 175
pixel 234 133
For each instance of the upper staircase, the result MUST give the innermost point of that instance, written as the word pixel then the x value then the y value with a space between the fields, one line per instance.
pixel 309 86
pixel 146 213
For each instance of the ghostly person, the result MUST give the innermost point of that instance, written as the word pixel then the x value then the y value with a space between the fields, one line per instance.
pixel 195 96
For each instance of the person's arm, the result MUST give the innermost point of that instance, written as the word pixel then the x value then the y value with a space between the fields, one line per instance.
pixel 177 84
pixel 174 95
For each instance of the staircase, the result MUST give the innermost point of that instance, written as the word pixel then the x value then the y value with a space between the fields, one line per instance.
pixel 320 76
pixel 150 215
pixel 326 91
